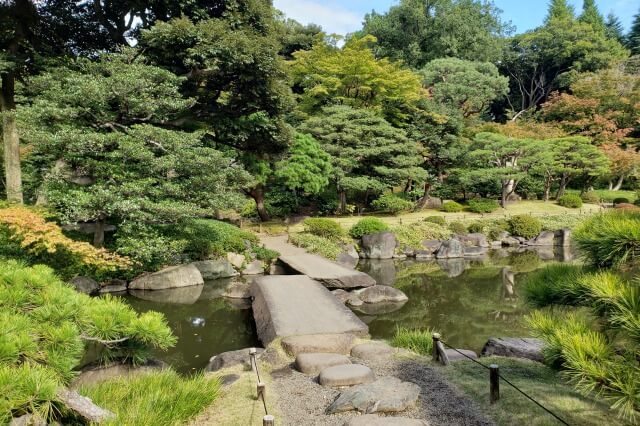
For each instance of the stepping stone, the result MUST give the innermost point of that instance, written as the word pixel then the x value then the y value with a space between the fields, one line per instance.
pixel 373 420
pixel 372 351
pixel 455 356
pixel 388 394
pixel 314 363
pixel 346 375
pixel 314 343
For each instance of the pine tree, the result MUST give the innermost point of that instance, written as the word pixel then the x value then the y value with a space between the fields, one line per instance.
pixel 560 9
pixel 591 15
pixel 633 38
pixel 613 28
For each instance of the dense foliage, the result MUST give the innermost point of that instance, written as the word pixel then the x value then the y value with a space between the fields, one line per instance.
pixel 46 324
pixel 321 227
pixel 483 205
pixel 366 226
pixel 524 226
pixel 571 201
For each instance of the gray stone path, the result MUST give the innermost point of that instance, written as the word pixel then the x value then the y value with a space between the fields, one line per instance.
pixel 291 305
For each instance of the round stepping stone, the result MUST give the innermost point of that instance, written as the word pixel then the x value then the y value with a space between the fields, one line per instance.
pixel 373 420
pixel 315 363
pixel 346 375
pixel 387 394
pixel 372 351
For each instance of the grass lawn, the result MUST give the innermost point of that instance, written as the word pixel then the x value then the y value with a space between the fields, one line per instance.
pixel 608 196
pixel 542 383
pixel 535 208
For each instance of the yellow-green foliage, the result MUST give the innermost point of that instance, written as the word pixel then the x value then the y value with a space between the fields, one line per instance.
pixel 160 398
pixel 315 244
pixel 419 341
pixel 45 324
pixel 413 235
pixel 36 235
pixel 323 227
pixel 610 239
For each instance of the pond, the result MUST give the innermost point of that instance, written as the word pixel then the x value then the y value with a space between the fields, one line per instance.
pixel 467 301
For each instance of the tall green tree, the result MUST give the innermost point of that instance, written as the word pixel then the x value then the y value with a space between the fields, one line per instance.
pixel 541 61
pixel 560 9
pixel 306 166
pixel 591 15
pixel 468 86
pixel 614 28
pixel 418 31
pixel 103 142
pixel 368 154
pixel 352 75
pixel 233 70
pixel 633 38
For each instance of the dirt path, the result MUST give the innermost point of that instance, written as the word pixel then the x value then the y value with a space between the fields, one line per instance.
pixel 281 245
pixel 302 401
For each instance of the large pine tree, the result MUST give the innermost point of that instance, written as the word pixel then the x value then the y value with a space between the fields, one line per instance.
pixel 613 28
pixel 591 15
pixel 633 38
pixel 560 9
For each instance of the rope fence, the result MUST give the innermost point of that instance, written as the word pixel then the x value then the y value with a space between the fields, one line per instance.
pixel 261 387
pixel 439 355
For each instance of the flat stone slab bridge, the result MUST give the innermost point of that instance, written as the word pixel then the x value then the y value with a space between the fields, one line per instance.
pixel 296 305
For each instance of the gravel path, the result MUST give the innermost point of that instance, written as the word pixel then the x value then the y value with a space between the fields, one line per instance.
pixel 302 401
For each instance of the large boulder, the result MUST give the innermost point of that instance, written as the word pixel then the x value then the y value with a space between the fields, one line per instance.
pixel 563 237
pixel 381 293
pixel 85 285
pixel 430 246
pixel 514 347
pixel 545 238
pixel 178 296
pixel 387 394
pixel 83 406
pixel 173 277
pixel 450 249
pixel 473 240
pixel 509 241
pixel 349 256
pixel 232 358
pixel 433 203
pixel 381 245
pixel 215 269
pixel 100 373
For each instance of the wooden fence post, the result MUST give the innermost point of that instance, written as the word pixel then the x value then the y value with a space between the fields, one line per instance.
pixel 268 420
pixel 494 383
pixel 436 340
pixel 261 389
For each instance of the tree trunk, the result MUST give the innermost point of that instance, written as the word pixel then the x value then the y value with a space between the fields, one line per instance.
pixel 343 200
pixel 610 185
pixel 547 189
pixel 504 195
pixel 422 202
pixel 11 140
pixel 564 181
pixel 257 194
pixel 98 233
pixel 618 184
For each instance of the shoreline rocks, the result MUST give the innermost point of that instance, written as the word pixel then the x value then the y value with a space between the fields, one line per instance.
pixel 381 245
pixel 215 269
pixel 528 348
pixel 172 277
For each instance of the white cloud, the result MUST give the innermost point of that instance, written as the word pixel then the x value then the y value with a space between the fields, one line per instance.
pixel 332 17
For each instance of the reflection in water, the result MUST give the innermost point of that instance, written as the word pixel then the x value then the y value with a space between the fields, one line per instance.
pixel 207 326
pixel 468 301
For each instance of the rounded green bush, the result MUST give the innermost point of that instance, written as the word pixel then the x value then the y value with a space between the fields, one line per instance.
pixel 366 226
pixel 438 220
pixel 525 226
pixel 322 227
pixel 621 200
pixel 483 205
pixel 457 227
pixel 476 227
pixel 452 207
pixel 571 201
pixel 591 197
pixel 390 203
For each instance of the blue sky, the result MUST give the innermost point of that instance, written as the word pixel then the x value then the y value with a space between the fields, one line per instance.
pixel 345 16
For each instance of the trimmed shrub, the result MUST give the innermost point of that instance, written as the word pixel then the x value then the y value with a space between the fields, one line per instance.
pixel 483 205
pixel 317 245
pixel 476 227
pixel 458 228
pixel 322 227
pixel 391 203
pixel 438 220
pixel 525 226
pixel 366 226
pixel 591 197
pixel 570 201
pixel 452 207
pixel 621 200
pixel 413 235
pixel 611 238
